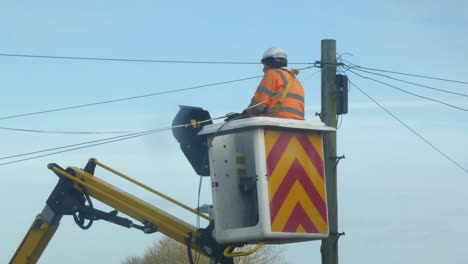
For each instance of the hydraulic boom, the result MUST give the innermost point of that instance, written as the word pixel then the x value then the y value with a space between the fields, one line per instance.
pixel 72 196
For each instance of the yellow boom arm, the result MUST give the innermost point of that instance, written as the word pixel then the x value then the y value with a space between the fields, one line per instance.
pixel 72 196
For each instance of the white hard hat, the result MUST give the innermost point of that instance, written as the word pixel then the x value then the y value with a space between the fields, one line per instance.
pixel 276 53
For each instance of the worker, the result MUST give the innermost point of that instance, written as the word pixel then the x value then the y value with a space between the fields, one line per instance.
pixel 270 98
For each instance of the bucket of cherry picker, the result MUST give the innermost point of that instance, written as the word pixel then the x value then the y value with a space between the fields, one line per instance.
pixel 268 180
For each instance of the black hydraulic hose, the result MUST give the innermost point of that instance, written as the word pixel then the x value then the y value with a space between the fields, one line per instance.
pixel 189 248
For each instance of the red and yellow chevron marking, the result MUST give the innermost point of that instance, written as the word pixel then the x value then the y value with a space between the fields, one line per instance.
pixel 296 182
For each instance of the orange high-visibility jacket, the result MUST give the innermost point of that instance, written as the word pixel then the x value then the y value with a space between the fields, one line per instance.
pixel 269 92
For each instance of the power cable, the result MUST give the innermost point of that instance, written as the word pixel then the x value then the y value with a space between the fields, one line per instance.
pixel 108 140
pixel 135 97
pixel 67 150
pixel 340 121
pixel 408 74
pixel 93 143
pixel 128 98
pixel 413 94
pixel 136 60
pixel 312 75
pixel 412 83
pixel 84 143
pixel 415 75
pixel 64 132
pixel 409 128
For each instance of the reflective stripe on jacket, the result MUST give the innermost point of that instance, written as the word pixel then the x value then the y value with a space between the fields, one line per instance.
pixel 269 92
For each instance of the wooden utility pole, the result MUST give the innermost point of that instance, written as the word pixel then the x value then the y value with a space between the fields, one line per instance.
pixel 329 248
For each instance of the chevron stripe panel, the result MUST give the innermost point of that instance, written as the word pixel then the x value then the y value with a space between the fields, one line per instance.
pixel 296 182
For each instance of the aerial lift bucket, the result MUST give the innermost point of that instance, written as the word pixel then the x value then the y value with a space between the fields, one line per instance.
pixel 267 178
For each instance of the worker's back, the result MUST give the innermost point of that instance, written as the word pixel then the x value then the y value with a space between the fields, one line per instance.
pixel 276 80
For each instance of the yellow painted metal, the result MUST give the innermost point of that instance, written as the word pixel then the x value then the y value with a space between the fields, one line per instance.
pixel 132 206
pixel 194 123
pixel 270 138
pixel 317 142
pixel 34 242
pixel 299 197
pixel 151 190
pixel 296 153
pixel 229 254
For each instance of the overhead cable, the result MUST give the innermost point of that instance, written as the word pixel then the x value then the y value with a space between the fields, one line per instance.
pixel 127 98
pixel 92 143
pixel 410 129
pixel 412 83
pixel 136 97
pixel 413 94
pixel 101 141
pixel 136 60
pixel 131 135
pixel 313 74
pixel 407 74
pixel 64 132
pixel 68 150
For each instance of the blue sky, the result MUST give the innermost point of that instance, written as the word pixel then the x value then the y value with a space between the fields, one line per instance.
pixel 399 200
